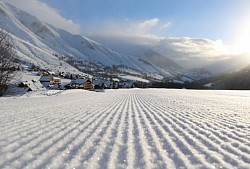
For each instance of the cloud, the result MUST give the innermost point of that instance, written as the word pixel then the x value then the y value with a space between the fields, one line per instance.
pixel 127 27
pixel 186 51
pixel 214 55
pixel 146 25
pixel 166 25
pixel 46 13
pixel 192 52
pixel 197 48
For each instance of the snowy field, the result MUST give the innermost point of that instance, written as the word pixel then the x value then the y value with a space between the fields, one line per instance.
pixel 137 128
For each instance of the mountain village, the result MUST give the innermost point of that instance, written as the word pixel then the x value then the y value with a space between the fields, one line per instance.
pixel 48 80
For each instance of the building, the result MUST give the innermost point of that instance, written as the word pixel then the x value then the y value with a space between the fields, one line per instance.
pixel 48 79
pixel 115 83
pixel 88 85
pixel 82 83
pixel 32 85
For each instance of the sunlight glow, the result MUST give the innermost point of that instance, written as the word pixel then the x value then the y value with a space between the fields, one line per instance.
pixel 243 37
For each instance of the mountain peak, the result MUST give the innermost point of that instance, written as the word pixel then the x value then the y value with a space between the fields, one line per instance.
pixel 45 45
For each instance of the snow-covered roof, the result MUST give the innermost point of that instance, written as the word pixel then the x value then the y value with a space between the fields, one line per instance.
pixel 80 80
pixel 97 82
pixel 45 78
pixel 128 84
pixel 34 85
pixel 100 82
pixel 107 82
pixel 57 78
pixel 52 73
pixel 115 80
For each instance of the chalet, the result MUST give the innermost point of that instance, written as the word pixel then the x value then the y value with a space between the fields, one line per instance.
pixel 48 79
pixel 115 83
pixel 78 83
pixel 106 84
pixel 97 82
pixel 82 83
pixel 88 85
pixel 127 84
pixel 56 80
pixel 102 83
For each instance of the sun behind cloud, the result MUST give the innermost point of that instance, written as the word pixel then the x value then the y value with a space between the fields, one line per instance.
pixel 242 43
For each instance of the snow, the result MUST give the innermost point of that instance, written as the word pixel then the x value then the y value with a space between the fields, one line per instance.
pixel 46 78
pixel 133 78
pixel 186 79
pixel 80 80
pixel 130 128
pixel 208 85
pixel 177 81
pixel 37 42
pixel 34 85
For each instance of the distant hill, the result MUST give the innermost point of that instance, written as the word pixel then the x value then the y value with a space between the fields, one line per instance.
pixel 239 80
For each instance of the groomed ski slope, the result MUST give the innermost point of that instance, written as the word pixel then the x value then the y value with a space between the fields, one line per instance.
pixel 135 128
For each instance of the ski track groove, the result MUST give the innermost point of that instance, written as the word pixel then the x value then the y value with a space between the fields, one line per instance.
pixel 166 127
pixel 131 151
pixel 64 149
pixel 201 131
pixel 141 139
pixel 152 128
pixel 107 142
pixel 115 155
pixel 179 140
pixel 156 146
pixel 92 140
pixel 165 138
pixel 222 136
pixel 54 140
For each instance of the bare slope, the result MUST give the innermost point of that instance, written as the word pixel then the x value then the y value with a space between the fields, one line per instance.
pixel 132 129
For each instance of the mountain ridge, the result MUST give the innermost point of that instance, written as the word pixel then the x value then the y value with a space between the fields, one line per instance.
pixel 40 43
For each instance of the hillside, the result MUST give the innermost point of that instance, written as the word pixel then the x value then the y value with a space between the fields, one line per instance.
pixel 45 46
pixel 239 80
pixel 39 43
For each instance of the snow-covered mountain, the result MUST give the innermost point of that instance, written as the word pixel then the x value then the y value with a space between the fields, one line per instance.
pixel 44 45
pixel 189 53
pixel 148 54
pixel 143 52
